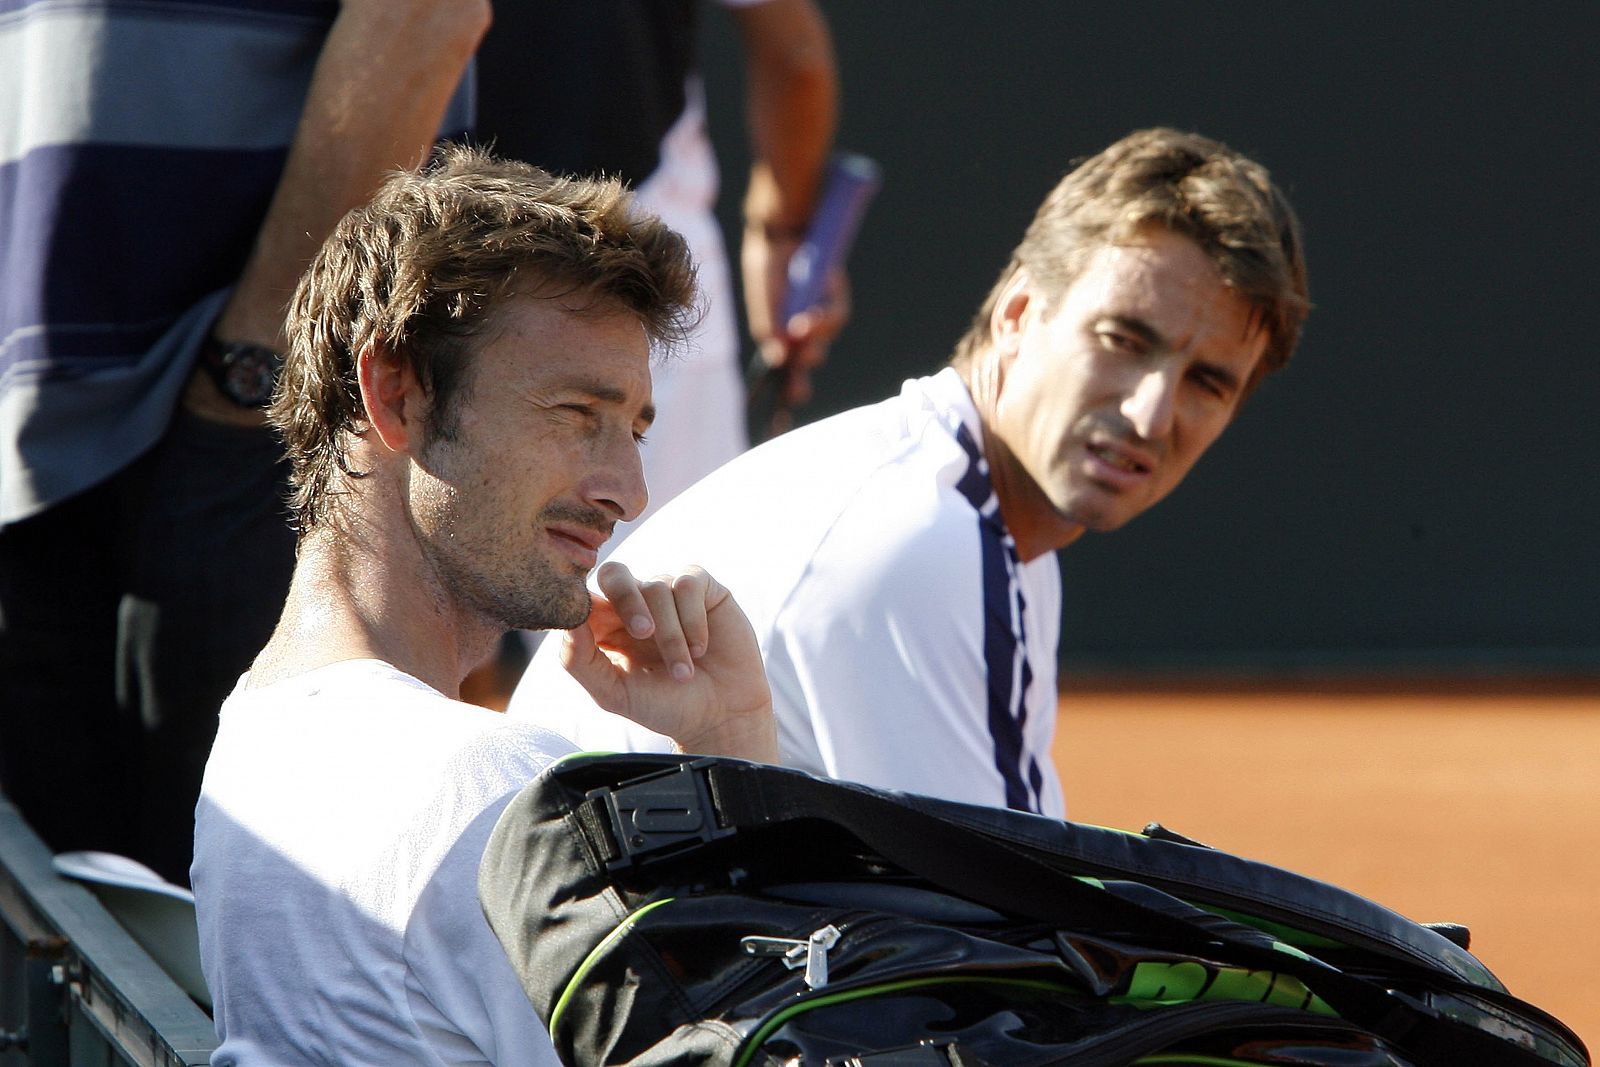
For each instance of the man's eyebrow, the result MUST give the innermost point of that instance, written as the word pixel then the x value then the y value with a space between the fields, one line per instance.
pixel 1152 337
pixel 606 393
pixel 1139 327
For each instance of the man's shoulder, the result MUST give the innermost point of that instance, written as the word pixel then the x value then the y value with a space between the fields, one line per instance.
pixel 792 487
pixel 909 508
pixel 361 746
pixel 757 522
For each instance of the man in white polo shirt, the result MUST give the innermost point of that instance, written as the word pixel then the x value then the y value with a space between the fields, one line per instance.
pixel 897 561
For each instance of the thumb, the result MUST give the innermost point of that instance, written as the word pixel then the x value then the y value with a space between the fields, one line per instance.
pixel 578 653
pixel 571 641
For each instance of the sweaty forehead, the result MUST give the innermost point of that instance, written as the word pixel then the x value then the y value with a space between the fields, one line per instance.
pixel 541 343
pixel 1157 266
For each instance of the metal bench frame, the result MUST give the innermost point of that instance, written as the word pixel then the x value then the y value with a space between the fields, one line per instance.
pixel 75 988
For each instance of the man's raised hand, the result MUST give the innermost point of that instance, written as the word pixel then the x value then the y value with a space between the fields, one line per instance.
pixel 676 655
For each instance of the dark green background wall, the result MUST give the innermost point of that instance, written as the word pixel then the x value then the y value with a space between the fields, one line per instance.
pixel 1419 490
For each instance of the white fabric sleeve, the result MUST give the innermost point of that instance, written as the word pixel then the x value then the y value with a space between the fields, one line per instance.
pixel 463 993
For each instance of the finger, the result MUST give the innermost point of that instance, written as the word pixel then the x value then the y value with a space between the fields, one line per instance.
pixel 577 646
pixel 839 298
pixel 689 592
pixel 774 352
pixel 808 354
pixel 625 595
pixel 670 642
pixel 814 328
pixel 824 320
pixel 801 326
pixel 582 659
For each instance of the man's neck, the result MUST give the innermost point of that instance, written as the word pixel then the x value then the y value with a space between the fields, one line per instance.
pixel 358 597
pixel 1028 516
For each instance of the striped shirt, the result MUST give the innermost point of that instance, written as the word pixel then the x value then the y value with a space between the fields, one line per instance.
pixel 139 147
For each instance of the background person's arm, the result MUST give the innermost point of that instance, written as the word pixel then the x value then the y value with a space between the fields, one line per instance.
pixel 792 92
pixel 382 83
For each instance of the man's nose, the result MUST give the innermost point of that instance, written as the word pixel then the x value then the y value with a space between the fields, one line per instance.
pixel 616 485
pixel 1149 406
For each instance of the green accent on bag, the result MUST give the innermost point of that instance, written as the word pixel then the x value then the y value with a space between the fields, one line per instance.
pixel 1187 981
pixel 622 930
pixel 1283 932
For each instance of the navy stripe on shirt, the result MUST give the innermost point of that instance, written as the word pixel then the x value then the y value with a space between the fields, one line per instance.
pixel 88 286
pixel 321 9
pixel 1005 652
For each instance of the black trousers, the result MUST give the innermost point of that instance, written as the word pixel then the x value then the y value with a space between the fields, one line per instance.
pixel 127 614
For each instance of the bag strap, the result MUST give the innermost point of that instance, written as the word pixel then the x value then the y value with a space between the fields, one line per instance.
pixel 989 870
pixel 1214 878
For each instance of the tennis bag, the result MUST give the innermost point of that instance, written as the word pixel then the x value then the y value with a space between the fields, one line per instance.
pixel 691 910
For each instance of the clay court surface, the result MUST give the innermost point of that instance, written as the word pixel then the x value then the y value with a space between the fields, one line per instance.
pixel 1465 806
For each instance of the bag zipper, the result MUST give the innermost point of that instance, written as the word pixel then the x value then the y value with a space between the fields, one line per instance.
pixel 1173 1023
pixel 775 1019
pixel 811 953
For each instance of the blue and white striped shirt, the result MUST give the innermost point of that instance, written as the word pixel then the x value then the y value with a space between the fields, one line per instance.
pixel 140 143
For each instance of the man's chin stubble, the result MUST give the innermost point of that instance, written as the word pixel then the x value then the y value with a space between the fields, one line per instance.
pixel 555 613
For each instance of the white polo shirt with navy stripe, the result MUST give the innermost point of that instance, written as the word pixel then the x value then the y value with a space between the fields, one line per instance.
pixel 906 644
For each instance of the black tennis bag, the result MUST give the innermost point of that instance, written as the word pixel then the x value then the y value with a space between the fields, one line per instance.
pixel 691 910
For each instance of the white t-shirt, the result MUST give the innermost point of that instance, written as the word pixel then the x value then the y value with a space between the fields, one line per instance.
pixel 337 844
pixel 906 646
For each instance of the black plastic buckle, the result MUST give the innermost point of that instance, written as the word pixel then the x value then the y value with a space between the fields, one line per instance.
pixel 660 815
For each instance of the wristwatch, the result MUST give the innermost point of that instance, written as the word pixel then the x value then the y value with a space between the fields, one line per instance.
pixel 244 372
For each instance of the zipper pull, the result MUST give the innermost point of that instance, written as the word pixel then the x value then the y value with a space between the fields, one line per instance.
pixel 812 953
pixel 792 951
pixel 817 956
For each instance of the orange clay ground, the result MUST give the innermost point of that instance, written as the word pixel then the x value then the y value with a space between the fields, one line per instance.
pixel 1481 808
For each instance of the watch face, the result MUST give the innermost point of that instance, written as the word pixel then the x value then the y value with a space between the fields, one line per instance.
pixel 248 373
pixel 250 380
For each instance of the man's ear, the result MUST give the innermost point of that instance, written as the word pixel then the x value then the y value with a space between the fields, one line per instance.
pixel 391 394
pixel 1005 322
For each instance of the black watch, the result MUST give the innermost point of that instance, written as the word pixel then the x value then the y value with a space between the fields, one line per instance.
pixel 245 373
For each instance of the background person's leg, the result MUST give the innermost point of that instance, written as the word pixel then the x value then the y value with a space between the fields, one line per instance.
pixel 63 743
pixel 210 554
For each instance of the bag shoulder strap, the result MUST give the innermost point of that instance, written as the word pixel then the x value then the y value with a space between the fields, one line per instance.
pixel 751 795
pixel 698 800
